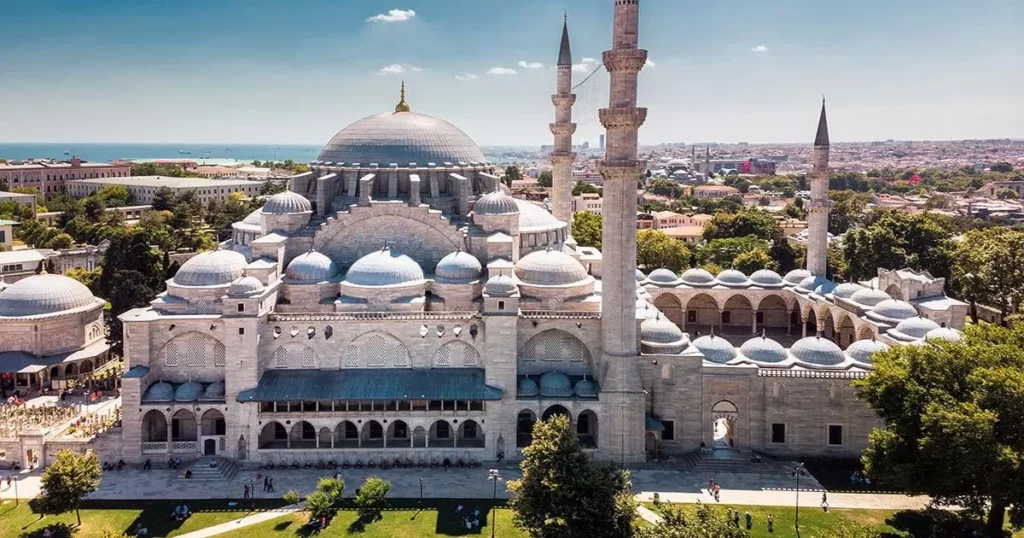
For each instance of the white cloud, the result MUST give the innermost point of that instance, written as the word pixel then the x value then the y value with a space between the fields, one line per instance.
pixel 394 15
pixel 398 69
pixel 530 65
pixel 650 63
pixel 501 71
pixel 759 48
pixel 586 65
pixel 467 77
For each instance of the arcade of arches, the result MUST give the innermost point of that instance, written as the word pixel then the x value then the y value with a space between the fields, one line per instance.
pixel 585 423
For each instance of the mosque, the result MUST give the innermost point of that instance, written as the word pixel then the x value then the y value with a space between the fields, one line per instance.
pixel 397 302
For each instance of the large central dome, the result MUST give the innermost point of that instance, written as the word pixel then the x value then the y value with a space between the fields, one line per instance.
pixel 401 138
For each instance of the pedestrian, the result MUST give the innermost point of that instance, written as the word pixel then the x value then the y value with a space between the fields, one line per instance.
pixel 718 490
pixel 824 501
pixel 245 495
pixel 271 484
pixel 711 485
pixel 728 513
pixel 736 518
pixel 771 523
pixel 266 483
pixel 750 521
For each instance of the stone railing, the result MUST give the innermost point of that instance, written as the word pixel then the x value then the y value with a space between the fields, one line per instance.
pixel 154 447
pixel 357 316
pixel 554 314
pixel 183 447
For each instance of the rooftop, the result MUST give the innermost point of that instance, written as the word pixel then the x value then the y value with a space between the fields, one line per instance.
pixel 172 182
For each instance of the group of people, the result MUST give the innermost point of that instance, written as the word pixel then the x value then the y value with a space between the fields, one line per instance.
pixel 173 462
pixel 181 513
pixel 859 478
pixel 468 520
pixel 714 489
pixel 748 519
pixel 114 467
pixel 268 486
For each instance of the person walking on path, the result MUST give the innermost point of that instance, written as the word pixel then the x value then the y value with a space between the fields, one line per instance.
pixel 771 523
pixel 266 483
pixel 271 484
pixel 711 486
pixel 750 521
pixel 245 494
pixel 824 501
pixel 736 518
pixel 718 490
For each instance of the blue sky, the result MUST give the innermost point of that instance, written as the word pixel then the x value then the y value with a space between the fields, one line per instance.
pixel 263 71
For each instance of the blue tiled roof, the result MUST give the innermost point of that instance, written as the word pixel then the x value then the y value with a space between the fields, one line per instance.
pixel 136 372
pixel 372 384
pixel 653 423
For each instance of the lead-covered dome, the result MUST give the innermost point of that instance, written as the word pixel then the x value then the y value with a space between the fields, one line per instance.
pixel 732 278
pixel 818 351
pixel 796 276
pixel 161 391
pixel 245 286
pixel 763 349
pixel 556 385
pixel 944 333
pixel 869 297
pixel 500 285
pixel 585 388
pixel 211 268
pixel 527 387
pixel 310 268
pixel 660 330
pixel 892 311
pixel 496 203
pixel 662 276
pixel 458 266
pixel 385 267
pixel 188 392
pixel 44 294
pixel 914 328
pixel 846 290
pixel 715 348
pixel 214 391
pixel 766 278
pixel 535 218
pixel 402 138
pixel 816 284
pixel 862 350
pixel 550 268
pixel 697 277
pixel 286 203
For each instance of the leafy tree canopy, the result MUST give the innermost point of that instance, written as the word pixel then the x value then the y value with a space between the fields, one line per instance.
pixel 655 250
pixel 705 522
pixel 586 228
pixel 68 480
pixel 895 239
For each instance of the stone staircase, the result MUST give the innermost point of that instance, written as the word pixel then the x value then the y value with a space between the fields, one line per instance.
pixel 736 462
pixel 225 469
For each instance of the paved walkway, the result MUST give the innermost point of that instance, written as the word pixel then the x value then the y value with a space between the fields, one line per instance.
pixel 243 522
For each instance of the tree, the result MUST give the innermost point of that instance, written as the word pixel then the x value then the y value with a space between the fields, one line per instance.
pixel 655 250
pixel 371 499
pixel 512 173
pixel 563 493
pixel 705 522
pixel 321 503
pixel 582 187
pixel 847 207
pixel 756 222
pixel 895 240
pixel 545 179
pixel 1007 194
pixel 115 195
pixel 163 199
pixel 60 241
pixel 1001 167
pixel 989 269
pixel 952 413
pixel 586 228
pixel 270 188
pixel 68 480
pixel 748 251
pixel 94 207
pixel 753 260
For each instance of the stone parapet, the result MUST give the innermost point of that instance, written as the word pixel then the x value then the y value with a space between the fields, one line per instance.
pixel 624 60
pixel 631 118
pixel 558 157
pixel 621 169
pixel 562 128
pixel 563 99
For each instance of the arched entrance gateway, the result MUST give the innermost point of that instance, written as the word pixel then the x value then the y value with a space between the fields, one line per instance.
pixel 724 417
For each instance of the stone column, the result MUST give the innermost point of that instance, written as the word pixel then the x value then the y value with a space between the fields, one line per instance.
pixel 753 322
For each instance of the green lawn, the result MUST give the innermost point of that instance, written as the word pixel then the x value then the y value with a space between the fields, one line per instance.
pixel 436 519
pixel 21 521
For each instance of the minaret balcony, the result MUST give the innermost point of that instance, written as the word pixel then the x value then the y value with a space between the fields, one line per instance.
pixel 563 99
pixel 631 118
pixel 562 157
pixel 621 168
pixel 562 128
pixel 627 60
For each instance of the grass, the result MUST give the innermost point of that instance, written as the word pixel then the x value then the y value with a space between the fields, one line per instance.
pixel 402 519
pixel 121 516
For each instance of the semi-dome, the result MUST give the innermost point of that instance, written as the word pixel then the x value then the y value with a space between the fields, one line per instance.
pixel 500 285
pixel 697 277
pixel 44 294
pixel 766 277
pixel 310 267
pixel 188 392
pixel 869 297
pixel 527 387
pixel 402 138
pixel 796 276
pixel 944 333
pixel 247 285
pixel 862 350
pixel 252 222
pixel 818 351
pixel 846 290
pixel 715 348
pixel 763 349
pixel 161 391
pixel 662 276
pixel 211 268
pixel 585 388
pixel 214 391
pixel 458 266
pixel 892 310
pixel 556 385
pixel 532 217
pixel 660 330
pixel 496 203
pixel 385 267
pixel 916 327
pixel 286 203
pixel 732 278
pixel 550 268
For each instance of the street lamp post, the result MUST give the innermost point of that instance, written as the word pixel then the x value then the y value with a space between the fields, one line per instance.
pixel 798 470
pixel 252 494
pixel 16 502
pixel 421 492
pixel 494 476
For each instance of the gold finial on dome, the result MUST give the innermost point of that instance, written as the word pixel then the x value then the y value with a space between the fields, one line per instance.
pixel 402 106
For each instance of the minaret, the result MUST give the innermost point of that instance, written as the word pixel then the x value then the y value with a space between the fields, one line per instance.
pixel 707 162
pixel 817 212
pixel 621 171
pixel 562 157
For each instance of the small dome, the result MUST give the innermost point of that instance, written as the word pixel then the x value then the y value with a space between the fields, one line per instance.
pixel 763 349
pixel 766 278
pixel 916 327
pixel 286 203
pixel 458 266
pixel 892 310
pixel 944 333
pixel 161 391
pixel 585 388
pixel 663 276
pixel 862 350
pixel 309 268
pixel 500 285
pixel 715 348
pixel 815 284
pixel 534 218
pixel 796 276
pixel 550 268
pixel 660 330
pixel 732 278
pixel 211 268
pixel 214 391
pixel 697 277
pixel 385 267
pixel 869 297
pixel 44 294
pixel 496 203
pixel 253 218
pixel 818 351
pixel 639 276
pixel 252 222
pixel 846 289
pixel 188 392
pixel 528 387
pixel 247 285
pixel 555 384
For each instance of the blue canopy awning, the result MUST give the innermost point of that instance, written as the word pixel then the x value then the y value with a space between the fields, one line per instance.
pixel 372 384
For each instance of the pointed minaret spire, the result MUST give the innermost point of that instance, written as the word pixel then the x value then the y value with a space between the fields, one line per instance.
pixel 818 208
pixel 562 156
pixel 821 139
pixel 564 54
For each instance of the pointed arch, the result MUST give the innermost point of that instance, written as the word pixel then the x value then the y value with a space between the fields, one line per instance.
pixel 294 355
pixel 192 350
pixel 554 350
pixel 456 354
pixel 376 349
pixel 671 306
